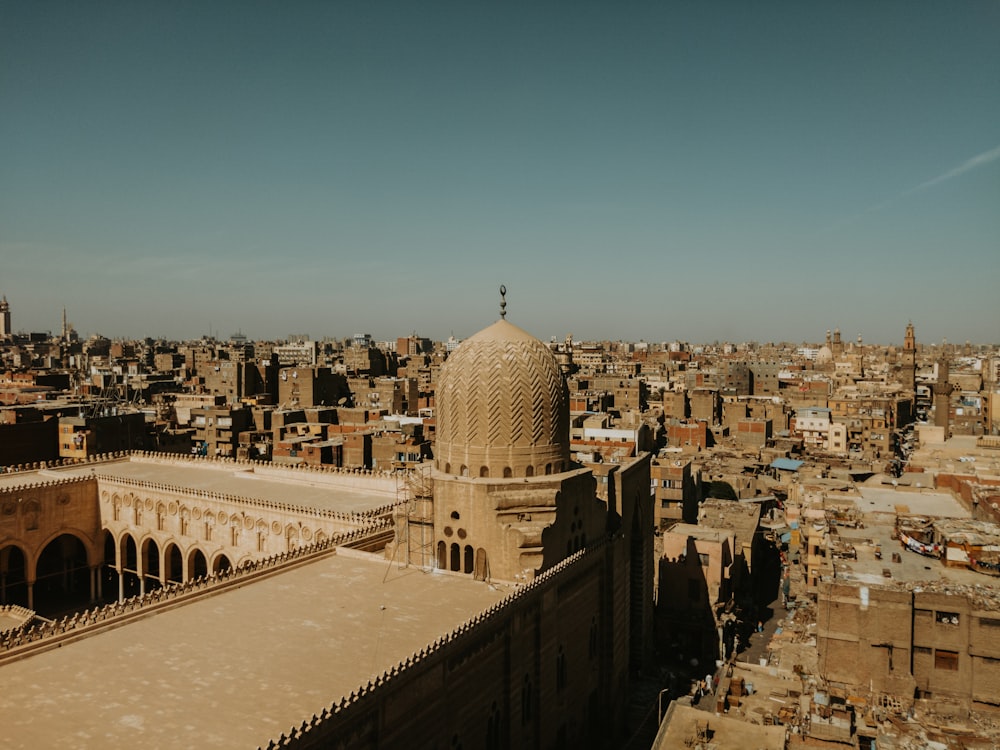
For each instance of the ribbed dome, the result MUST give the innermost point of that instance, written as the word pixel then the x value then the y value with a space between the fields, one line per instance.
pixel 502 408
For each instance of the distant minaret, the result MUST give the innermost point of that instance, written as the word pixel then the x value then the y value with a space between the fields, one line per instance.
pixel 565 357
pixel 837 346
pixel 942 396
pixel 908 359
pixel 5 329
pixel 65 331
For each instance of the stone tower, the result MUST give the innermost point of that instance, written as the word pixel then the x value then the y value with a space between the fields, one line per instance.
pixel 942 396
pixel 908 359
pixel 5 318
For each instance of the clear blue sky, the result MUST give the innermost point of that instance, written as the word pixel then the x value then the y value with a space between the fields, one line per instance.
pixel 658 171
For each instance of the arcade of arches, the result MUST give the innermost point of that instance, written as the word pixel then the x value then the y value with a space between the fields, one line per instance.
pixel 79 541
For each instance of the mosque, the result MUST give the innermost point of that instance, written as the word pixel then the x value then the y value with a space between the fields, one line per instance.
pixel 491 600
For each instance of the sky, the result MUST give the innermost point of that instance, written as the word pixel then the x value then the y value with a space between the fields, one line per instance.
pixel 697 171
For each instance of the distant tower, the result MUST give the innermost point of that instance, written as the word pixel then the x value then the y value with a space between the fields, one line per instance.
pixel 65 330
pixel 837 346
pixel 565 357
pixel 908 359
pixel 861 357
pixel 5 318
pixel 942 396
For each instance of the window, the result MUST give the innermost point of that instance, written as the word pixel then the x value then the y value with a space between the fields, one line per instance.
pixel 946 618
pixel 703 559
pixel 560 670
pixel 946 660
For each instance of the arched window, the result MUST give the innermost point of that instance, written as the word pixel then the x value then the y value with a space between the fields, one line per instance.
pixel 560 670
pixel 469 556
pixel 456 557
pixel 526 703
pixel 507 473
pixel 465 471
pixel 484 471
pixel 442 556
pixel 529 471
pixel 494 729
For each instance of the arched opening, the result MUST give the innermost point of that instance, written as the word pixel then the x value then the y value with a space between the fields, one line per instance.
pixel 109 574
pixel 507 473
pixel 469 557
pixel 529 471
pixel 197 564
pixel 151 564
pixel 548 469
pixel 456 558
pixel 62 576
pixel 173 563
pixel 442 556
pixel 221 564
pixel 13 577
pixel 484 471
pixel 130 566
pixel 447 467
pixel 465 471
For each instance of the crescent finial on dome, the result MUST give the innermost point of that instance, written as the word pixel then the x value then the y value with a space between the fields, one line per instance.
pixel 503 301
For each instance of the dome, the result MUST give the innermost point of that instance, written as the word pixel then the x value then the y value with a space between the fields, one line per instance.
pixel 824 355
pixel 501 407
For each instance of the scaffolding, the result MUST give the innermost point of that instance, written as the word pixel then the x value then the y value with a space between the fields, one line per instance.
pixel 415 517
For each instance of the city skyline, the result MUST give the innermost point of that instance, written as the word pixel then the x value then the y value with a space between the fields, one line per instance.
pixel 696 172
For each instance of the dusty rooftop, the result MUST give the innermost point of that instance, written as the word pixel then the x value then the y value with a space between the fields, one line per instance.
pixel 685 726
pixel 238 668
pixel 877 498
pixel 912 571
pixel 302 488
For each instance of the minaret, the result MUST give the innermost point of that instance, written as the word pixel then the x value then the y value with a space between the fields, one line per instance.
pixel 565 357
pixel 942 396
pixel 65 330
pixel 908 359
pixel 5 318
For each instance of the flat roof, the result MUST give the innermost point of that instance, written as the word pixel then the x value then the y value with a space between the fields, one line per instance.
pixel 238 668
pixel 912 568
pixel 881 499
pixel 301 489
pixel 683 723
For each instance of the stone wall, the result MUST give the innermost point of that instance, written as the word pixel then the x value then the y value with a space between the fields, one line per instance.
pixel 896 641
pixel 541 668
